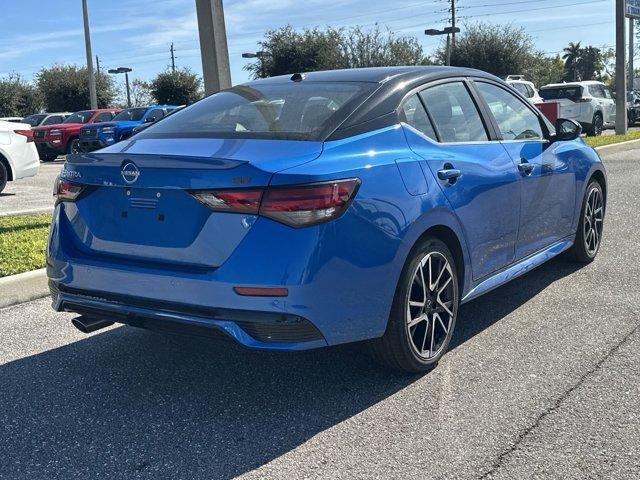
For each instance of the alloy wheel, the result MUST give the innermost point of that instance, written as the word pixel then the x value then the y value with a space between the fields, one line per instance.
pixel 593 218
pixel 430 305
pixel 75 147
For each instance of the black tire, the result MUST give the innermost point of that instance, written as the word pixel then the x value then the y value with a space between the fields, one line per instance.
pixel 397 349
pixel 49 157
pixel 4 176
pixel 597 125
pixel 586 246
pixel 631 118
pixel 73 148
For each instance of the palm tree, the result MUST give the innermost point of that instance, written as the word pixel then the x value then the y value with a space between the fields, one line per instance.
pixel 571 57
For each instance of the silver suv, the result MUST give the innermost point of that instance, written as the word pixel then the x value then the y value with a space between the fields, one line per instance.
pixel 590 103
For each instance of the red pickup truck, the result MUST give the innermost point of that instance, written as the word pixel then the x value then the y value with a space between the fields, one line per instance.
pixel 63 138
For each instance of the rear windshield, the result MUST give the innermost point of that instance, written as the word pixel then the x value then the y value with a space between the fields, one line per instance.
pixel 555 93
pixel 33 120
pixel 79 117
pixel 294 110
pixel 130 114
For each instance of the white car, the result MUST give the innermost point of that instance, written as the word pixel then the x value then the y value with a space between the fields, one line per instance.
pixel 11 119
pixel 18 155
pixel 525 88
pixel 590 103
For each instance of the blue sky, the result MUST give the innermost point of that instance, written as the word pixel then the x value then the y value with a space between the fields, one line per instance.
pixel 137 33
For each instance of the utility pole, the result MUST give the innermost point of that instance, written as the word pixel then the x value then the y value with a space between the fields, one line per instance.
pixel 97 65
pixel 453 23
pixel 213 46
pixel 631 55
pixel 93 98
pixel 621 78
pixel 173 59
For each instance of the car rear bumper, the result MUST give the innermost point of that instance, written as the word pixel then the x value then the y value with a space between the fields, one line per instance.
pixel 333 289
pixel 265 330
pixel 27 164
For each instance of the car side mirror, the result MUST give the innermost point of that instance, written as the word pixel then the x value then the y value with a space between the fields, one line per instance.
pixel 149 119
pixel 566 129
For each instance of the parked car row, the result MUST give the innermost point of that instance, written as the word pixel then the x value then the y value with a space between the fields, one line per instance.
pixel 590 103
pixel 88 130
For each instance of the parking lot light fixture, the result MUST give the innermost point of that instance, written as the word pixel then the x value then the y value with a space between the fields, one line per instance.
pixel 126 71
pixel 448 31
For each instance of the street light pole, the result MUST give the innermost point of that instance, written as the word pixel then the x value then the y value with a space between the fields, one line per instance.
pixel 126 71
pixel 449 32
pixel 213 45
pixel 621 78
pixel 93 97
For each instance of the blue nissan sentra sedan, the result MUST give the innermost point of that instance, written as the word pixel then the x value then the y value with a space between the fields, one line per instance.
pixel 315 209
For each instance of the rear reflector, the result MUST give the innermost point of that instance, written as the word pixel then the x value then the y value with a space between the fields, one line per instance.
pixel 294 205
pixel 25 133
pixel 262 291
pixel 66 191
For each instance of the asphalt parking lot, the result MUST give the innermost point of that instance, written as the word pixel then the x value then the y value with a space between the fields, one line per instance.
pixel 541 382
pixel 31 194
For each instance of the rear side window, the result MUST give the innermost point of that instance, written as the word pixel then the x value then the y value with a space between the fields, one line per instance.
pixel 596 91
pixel 414 114
pixel 515 120
pixel 53 120
pixel 292 110
pixel 556 93
pixel 454 114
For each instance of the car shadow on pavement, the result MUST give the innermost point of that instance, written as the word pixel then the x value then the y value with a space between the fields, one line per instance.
pixel 130 403
pixel 481 313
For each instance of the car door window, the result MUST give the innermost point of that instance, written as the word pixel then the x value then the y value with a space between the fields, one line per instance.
pixel 515 120
pixel 103 117
pixel 607 93
pixel 413 113
pixel 454 114
pixel 154 115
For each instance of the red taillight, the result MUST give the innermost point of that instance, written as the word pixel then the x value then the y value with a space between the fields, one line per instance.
pixel 66 191
pixel 296 205
pixel 26 133
pixel 239 201
pixel 305 205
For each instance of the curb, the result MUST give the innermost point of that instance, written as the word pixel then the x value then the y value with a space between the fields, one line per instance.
pixel 618 147
pixel 23 287
pixel 29 211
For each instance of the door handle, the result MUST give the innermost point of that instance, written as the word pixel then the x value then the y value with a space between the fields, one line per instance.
pixel 449 174
pixel 525 167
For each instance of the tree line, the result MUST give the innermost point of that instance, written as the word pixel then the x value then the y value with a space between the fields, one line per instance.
pixel 65 88
pixel 498 49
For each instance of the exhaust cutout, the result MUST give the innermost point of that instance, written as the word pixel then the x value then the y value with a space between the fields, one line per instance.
pixel 90 324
